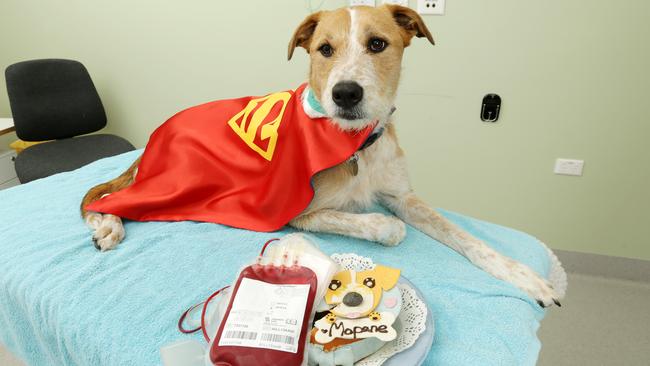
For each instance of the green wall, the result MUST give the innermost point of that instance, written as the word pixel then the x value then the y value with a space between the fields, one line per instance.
pixel 574 78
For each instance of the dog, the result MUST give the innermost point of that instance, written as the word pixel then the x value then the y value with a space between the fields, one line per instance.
pixel 355 61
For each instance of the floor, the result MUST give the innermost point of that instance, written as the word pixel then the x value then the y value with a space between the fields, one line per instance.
pixel 602 322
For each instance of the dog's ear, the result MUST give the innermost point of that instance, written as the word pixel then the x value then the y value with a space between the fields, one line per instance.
pixel 386 277
pixel 411 23
pixel 302 35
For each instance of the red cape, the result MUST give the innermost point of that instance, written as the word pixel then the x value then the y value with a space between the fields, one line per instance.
pixel 244 162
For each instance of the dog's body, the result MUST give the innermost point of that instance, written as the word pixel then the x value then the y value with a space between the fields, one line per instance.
pixel 355 66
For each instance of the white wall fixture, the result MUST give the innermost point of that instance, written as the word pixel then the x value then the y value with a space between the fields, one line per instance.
pixel 431 7
pixel 362 2
pixel 397 2
pixel 569 166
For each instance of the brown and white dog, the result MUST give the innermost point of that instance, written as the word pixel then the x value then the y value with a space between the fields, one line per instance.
pixel 356 56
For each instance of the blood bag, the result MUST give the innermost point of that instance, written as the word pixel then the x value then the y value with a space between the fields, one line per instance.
pixel 268 318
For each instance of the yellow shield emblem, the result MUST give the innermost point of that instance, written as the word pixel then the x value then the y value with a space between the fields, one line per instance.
pixel 246 123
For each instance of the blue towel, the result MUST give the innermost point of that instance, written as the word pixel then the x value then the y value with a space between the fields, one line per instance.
pixel 64 303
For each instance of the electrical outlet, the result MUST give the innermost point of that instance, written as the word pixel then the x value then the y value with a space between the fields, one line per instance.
pixel 397 2
pixel 433 7
pixel 362 2
pixel 569 167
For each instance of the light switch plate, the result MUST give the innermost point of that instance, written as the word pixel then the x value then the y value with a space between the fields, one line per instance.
pixel 362 2
pixel 431 7
pixel 397 2
pixel 569 167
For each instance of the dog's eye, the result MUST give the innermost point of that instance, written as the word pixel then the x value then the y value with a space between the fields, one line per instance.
pixel 326 50
pixel 377 45
pixel 369 282
pixel 334 285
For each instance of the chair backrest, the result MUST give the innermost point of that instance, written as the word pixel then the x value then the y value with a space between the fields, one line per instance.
pixel 53 99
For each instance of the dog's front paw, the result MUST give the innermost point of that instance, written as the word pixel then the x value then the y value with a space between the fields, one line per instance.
pixel 534 285
pixel 387 230
pixel 109 233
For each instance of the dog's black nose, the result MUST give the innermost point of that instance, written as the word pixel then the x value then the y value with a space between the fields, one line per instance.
pixel 352 299
pixel 347 94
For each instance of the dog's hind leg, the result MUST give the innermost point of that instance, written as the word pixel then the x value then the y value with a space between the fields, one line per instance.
pixel 108 230
pixel 387 230
pixel 417 213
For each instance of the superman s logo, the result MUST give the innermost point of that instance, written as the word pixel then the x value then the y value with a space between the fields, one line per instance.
pixel 260 115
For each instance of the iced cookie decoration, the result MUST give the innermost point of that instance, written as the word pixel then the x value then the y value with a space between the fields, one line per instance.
pixel 363 305
pixel 384 295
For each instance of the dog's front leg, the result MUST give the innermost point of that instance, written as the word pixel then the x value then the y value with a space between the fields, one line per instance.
pixel 387 230
pixel 417 213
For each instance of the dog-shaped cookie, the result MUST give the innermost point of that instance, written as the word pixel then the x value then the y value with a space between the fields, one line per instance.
pixel 363 304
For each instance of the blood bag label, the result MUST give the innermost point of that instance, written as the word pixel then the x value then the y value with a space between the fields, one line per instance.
pixel 265 315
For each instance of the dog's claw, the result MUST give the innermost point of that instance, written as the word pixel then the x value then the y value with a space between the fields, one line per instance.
pixel 541 303
pixel 557 302
pixel 95 244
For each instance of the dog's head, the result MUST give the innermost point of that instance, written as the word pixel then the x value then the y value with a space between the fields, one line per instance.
pixel 356 294
pixel 356 57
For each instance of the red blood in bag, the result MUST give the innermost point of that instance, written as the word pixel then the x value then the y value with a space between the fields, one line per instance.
pixel 231 355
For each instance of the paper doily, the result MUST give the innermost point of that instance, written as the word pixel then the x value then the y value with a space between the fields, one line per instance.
pixel 353 262
pixel 411 321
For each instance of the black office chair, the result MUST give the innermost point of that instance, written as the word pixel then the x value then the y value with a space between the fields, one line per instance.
pixel 56 100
